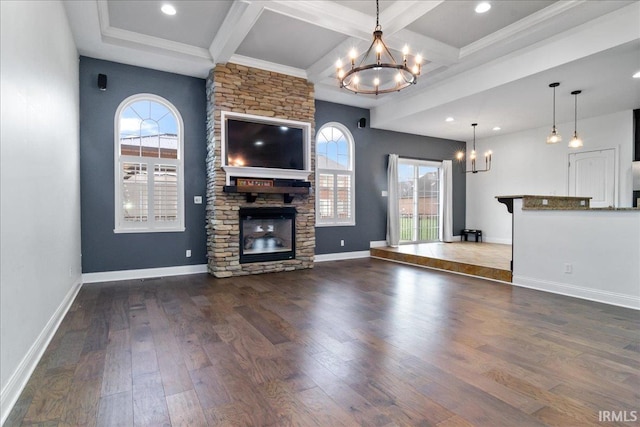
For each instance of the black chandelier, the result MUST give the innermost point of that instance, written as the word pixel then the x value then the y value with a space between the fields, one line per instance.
pixel 381 74
pixel 487 157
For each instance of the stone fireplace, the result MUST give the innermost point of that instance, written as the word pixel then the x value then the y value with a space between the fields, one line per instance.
pixel 234 249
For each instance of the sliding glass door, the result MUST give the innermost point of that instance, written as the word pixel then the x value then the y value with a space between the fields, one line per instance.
pixel 419 200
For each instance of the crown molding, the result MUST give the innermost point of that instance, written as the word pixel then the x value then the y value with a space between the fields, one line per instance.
pixel 520 26
pixel 268 66
pixel 128 38
pixel 325 14
pixel 401 14
pixel 326 66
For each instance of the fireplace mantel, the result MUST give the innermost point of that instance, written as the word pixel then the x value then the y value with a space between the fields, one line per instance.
pixel 252 191
pixel 268 173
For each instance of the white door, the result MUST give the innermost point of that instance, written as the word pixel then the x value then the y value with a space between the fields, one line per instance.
pixel 593 174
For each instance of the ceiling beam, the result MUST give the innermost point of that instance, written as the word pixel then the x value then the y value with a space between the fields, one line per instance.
pixel 398 15
pixel 325 14
pixel 326 66
pixel 579 42
pixel 401 14
pixel 237 24
pixel 519 27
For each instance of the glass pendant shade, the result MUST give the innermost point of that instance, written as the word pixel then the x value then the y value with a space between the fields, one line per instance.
pixel 576 141
pixel 554 137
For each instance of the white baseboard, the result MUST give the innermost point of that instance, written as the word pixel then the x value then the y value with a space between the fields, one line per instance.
pixel 613 298
pixel 341 256
pixel 494 240
pixel 11 391
pixel 378 244
pixel 144 273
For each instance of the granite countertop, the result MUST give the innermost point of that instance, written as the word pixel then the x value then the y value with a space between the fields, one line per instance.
pixel 558 203
pixel 522 196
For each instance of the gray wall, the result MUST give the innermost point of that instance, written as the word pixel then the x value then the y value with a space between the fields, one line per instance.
pixel 102 250
pixel 372 146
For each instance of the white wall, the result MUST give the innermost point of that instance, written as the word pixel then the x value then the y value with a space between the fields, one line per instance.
pixel 524 164
pixel 40 184
pixel 601 248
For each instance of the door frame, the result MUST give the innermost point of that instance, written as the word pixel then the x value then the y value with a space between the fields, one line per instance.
pixel 428 163
pixel 616 168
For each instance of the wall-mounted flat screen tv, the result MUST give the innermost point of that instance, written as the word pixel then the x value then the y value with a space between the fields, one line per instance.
pixel 264 144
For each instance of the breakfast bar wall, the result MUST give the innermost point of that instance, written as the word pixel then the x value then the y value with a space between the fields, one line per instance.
pixel 589 253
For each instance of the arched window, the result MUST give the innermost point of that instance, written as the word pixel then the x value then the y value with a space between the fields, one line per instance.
pixel 335 177
pixel 149 184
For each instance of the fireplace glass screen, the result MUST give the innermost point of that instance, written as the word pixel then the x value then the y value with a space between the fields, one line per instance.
pixel 267 234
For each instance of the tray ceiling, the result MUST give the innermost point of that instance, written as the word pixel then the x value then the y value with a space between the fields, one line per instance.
pixel 492 68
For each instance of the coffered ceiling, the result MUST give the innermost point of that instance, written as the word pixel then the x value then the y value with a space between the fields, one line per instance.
pixel 492 68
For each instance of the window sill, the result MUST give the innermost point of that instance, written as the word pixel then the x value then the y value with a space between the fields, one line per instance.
pixel 336 224
pixel 148 230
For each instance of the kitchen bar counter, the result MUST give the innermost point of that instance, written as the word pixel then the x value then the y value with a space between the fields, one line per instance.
pixel 561 245
pixel 555 203
pixel 546 202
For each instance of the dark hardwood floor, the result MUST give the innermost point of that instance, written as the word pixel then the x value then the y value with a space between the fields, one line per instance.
pixel 362 342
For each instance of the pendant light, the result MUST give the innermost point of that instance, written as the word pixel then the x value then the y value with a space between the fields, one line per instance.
pixel 473 155
pixel 554 136
pixel 576 141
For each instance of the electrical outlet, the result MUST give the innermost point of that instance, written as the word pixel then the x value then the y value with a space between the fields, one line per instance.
pixel 188 253
pixel 197 200
pixel 568 269
pixel 545 202
pixel 384 193
pixel 341 242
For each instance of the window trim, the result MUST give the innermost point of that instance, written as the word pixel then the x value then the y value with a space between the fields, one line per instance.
pixel 120 226
pixel 335 172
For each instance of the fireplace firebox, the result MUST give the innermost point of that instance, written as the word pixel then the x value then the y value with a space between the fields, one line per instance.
pixel 267 234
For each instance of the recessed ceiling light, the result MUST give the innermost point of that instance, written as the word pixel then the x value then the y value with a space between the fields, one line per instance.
pixel 448 119
pixel 483 7
pixel 167 9
pixel 636 75
pixel 496 128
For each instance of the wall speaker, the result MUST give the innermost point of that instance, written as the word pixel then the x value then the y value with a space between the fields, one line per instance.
pixel 102 81
pixel 362 123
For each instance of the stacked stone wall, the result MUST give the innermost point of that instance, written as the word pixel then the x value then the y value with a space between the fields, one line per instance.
pixel 240 89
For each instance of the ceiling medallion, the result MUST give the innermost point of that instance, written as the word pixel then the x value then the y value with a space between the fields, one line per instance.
pixel 381 74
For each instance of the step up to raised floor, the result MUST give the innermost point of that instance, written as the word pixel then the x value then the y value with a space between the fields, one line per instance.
pixel 392 254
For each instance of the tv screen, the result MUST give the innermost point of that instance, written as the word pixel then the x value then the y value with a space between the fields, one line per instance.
pixel 264 145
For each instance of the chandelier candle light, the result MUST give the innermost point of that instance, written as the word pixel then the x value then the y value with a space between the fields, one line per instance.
pixel 382 74
pixel 487 156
